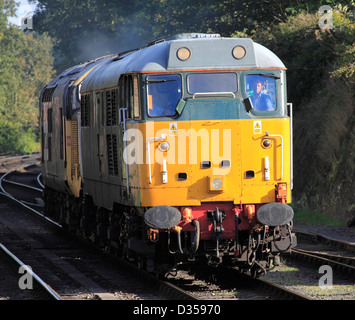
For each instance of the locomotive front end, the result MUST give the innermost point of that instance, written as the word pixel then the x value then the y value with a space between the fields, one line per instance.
pixel 177 152
pixel 218 175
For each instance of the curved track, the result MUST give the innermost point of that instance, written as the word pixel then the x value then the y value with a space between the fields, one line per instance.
pixel 59 251
pixel 178 288
pixel 170 287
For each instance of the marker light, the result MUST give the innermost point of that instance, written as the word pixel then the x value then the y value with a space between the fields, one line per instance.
pixel 165 146
pixel 239 52
pixel 266 143
pixel 183 53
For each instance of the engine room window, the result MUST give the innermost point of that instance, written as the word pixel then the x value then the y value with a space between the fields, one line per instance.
pixel 212 82
pixel 163 94
pixel 261 90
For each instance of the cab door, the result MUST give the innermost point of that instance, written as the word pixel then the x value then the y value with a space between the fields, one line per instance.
pixel 128 113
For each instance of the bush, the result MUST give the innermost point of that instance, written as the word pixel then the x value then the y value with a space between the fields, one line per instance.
pixel 321 70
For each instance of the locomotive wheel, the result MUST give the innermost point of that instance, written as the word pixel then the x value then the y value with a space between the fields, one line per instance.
pixel 141 262
pixel 88 221
pixel 123 238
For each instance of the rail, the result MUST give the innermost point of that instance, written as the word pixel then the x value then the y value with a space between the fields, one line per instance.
pixel 43 285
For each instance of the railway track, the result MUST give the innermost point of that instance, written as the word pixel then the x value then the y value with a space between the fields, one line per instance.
pixel 29 286
pixel 340 255
pixel 69 264
pixel 319 267
pixel 337 262
pixel 323 251
pixel 32 287
pixel 13 187
pixel 182 287
pixel 229 284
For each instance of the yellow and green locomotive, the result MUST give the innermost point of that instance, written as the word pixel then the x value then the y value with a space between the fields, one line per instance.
pixel 179 151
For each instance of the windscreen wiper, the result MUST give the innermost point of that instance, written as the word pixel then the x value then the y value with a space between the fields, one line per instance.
pixel 158 81
pixel 268 75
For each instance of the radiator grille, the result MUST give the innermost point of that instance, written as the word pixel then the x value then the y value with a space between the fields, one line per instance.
pixel 111 142
pixel 111 108
pixel 85 109
pixel 74 150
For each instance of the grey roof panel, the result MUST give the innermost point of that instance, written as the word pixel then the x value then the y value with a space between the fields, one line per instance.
pixel 206 53
pixel 212 53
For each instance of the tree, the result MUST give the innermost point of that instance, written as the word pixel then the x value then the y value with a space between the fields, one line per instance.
pixel 25 67
pixel 85 30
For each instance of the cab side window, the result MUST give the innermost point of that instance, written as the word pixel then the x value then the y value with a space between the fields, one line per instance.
pixel 163 94
pixel 129 86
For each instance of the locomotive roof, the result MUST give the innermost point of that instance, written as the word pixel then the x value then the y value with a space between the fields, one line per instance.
pixel 207 52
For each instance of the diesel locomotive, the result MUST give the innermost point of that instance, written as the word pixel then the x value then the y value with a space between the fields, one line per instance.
pixel 177 152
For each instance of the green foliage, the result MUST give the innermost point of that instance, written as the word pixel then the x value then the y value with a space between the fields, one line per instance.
pixel 17 140
pixel 85 30
pixel 9 136
pixel 316 218
pixel 321 72
pixel 25 67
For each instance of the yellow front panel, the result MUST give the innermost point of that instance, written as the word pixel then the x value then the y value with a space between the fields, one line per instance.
pixel 235 143
pixel 258 190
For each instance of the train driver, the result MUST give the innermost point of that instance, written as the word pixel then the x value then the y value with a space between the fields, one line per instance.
pixel 260 99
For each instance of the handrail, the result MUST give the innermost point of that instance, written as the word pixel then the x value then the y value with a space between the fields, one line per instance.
pixel 122 120
pixel 196 94
pixel 162 137
pixel 282 150
pixel 291 134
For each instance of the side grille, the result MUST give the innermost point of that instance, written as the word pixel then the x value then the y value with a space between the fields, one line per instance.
pixel 74 150
pixel 111 142
pixel 114 107
pixel 111 108
pixel 85 109
pixel 48 94
pixel 108 109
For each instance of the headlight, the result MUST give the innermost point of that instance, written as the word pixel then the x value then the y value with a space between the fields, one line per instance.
pixel 217 183
pixel 183 54
pixel 165 146
pixel 239 52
